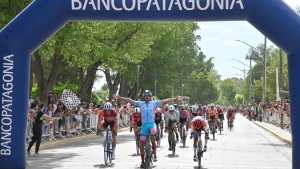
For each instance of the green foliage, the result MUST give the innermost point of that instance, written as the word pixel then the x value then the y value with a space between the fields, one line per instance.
pixel 166 52
pixel 272 62
pixel 100 96
pixel 60 87
pixel 239 99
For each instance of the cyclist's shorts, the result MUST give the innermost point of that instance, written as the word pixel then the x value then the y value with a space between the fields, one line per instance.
pixel 148 129
pixel 111 124
pixel 183 120
pixel 221 116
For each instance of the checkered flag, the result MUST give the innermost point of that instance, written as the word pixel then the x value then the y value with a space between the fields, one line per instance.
pixel 69 99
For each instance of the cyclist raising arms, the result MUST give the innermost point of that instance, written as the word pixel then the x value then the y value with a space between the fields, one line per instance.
pixel 148 128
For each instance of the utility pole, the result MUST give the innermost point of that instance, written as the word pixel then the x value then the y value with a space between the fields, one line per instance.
pixel 242 70
pixel 265 71
pixel 281 84
pixel 250 79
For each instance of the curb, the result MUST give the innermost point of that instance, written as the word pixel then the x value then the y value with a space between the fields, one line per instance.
pixel 288 141
pixel 53 144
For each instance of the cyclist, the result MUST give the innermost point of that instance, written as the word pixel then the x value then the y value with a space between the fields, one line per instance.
pixel 183 120
pixel 136 121
pixel 159 120
pixel 212 116
pixel 171 123
pixel 109 119
pixel 198 125
pixel 230 115
pixel 220 115
pixel 148 121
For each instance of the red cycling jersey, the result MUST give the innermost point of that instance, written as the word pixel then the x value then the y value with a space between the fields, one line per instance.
pixel 108 115
pixel 184 114
pixel 136 117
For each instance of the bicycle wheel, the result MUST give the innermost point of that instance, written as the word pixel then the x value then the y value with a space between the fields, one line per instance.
pixel 214 131
pixel 230 125
pixel 183 135
pixel 173 142
pixel 199 151
pixel 220 126
pixel 137 142
pixel 148 154
pixel 158 136
pixel 105 153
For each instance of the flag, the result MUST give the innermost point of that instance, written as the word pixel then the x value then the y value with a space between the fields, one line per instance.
pixel 69 99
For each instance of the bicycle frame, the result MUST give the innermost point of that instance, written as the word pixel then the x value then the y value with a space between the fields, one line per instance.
pixel 172 139
pixel 108 146
pixel 199 148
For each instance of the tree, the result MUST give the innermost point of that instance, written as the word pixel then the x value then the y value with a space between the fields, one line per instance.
pixel 228 91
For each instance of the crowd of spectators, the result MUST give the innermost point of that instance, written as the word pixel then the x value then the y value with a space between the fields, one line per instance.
pixel 275 112
pixel 81 120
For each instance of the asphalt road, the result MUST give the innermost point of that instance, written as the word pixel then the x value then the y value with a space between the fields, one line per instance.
pixel 246 147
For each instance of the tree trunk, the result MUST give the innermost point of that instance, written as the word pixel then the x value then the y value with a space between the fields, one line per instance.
pixel 38 70
pixel 45 85
pixel 88 82
pixel 123 87
pixel 112 83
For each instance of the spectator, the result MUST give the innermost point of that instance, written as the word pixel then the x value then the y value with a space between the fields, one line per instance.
pixel 37 129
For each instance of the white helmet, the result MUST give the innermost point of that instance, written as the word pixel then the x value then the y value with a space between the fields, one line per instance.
pixel 107 106
pixel 137 109
pixel 158 109
pixel 172 108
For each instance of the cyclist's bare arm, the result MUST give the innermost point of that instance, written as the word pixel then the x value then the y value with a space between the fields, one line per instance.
pixel 125 99
pixel 166 101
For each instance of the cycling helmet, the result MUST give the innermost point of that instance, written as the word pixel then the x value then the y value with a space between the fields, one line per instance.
pixel 137 109
pixel 158 109
pixel 107 106
pixel 172 108
pixel 147 93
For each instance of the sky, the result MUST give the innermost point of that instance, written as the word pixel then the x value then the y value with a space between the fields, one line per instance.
pixel 218 40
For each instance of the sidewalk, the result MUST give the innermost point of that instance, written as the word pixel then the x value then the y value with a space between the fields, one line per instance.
pixel 53 144
pixel 277 131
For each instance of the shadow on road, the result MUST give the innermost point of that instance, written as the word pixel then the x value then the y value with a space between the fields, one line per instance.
pixel 134 155
pixel 104 166
pixel 196 167
pixel 184 147
pixel 172 156
pixel 48 160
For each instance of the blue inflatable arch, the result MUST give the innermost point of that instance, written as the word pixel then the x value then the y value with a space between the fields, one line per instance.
pixel 23 35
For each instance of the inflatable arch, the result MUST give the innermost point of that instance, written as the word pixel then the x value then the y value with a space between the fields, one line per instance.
pixel 24 34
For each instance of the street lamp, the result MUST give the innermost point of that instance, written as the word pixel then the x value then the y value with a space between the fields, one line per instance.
pixel 250 75
pixel 254 49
